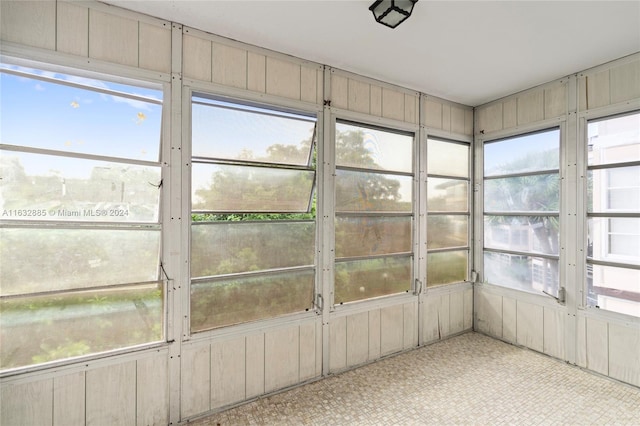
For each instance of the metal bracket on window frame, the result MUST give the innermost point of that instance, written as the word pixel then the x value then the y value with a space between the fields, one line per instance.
pixel 319 303
pixel 417 288
pixel 562 295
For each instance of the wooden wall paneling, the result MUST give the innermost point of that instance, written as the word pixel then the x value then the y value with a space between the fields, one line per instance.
pixel 256 72
pixel 509 319
pixel 489 118
pixel 283 78
pixel 68 399
pixel 32 23
pixel 430 322
pixel 195 381
pixel 457 120
pixel 392 104
pixel 309 84
pixel 319 348
pixel 308 351
pixel 320 86
pixel 357 339
pixel 444 315
pixel 196 57
pixel 374 335
pixel 581 341
pixel 111 395
pixel 530 326
pixel 598 92
pixel 530 107
pixel 624 353
pixel 229 65
pixel 598 346
pixel 338 344
pixel 376 100
pixel 582 93
pixel 625 82
pixel 254 365
pixel 31 403
pixel 72 29
pixel 411 107
pixel 467 321
pixel 554 341
pixel 152 391
pixel 155 47
pixel 339 91
pixel 446 117
pixel 433 114
pixel 113 38
pixel 410 326
pixel 489 313
pixel 228 360
pixel 282 358
pixel 468 122
pixel 456 312
pixel 391 329
pixel 555 101
pixel 358 98
pixel 510 113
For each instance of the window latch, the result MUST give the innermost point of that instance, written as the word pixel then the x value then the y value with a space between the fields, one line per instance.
pixel 319 302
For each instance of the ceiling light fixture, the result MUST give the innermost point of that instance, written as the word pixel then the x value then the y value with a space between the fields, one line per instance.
pixel 392 12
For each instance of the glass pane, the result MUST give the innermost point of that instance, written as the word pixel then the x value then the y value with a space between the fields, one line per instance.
pixel 43 259
pixel 447 267
pixel 522 233
pixel 49 187
pixel 232 247
pixel 373 149
pixel 43 114
pixel 528 153
pixel 447 158
pixel 362 191
pixel 614 289
pixel 447 195
pixel 252 134
pixel 616 140
pixel 364 279
pixel 538 193
pixel 614 239
pixel 52 327
pixel 237 300
pixel 447 231
pixel 614 190
pixel 526 273
pixel 227 188
pixel 366 236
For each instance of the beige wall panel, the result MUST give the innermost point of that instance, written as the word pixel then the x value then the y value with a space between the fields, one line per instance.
pixel 625 82
pixel 229 66
pixel 430 319
pixel 555 101
pixel 468 309
pixel 111 395
pixel 444 315
pixel 283 78
pixel 358 96
pixel 68 400
pixel 227 372
pixel 597 346
pixel 255 365
pixel 113 38
pixel 530 326
pixel 509 319
pixel 339 91
pixel 598 94
pixel 624 353
pixel 155 47
pixel 582 93
pixel 72 29
pixel 392 104
pixel 490 118
pixel 457 120
pixel 581 341
pixel 376 100
pixel 530 107
pixel 374 334
pixel 446 117
pixel 308 351
pixel 32 23
pixel 152 391
pixel 510 113
pixel 554 332
pixel 318 348
pixel 309 84
pixel 489 313
pixel 357 338
pixel 433 114
pixel 320 86
pixel 27 403
pixel 391 329
pixel 256 72
pixel 338 344
pixel 411 108
pixel 468 122
pixel 196 381
pixel 410 338
pixel 282 358
pixel 196 58
pixel 456 312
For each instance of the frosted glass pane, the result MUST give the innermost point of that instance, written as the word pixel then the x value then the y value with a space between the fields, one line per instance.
pixel 231 188
pixel 537 193
pixel 364 191
pixel 447 267
pixel 527 273
pixel 367 148
pixel 447 231
pixel 538 151
pixel 533 234
pixel 614 289
pixel 367 236
pixel 614 239
pixel 447 158
pixel 234 134
pixel 615 140
pixel 364 279
pixel 221 303
pixel 49 187
pixel 232 247
pixel 447 195
pixel 614 190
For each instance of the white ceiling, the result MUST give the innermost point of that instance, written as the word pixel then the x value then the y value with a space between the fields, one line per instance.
pixel 470 52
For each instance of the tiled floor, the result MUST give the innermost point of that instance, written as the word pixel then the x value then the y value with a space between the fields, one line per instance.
pixel 469 379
